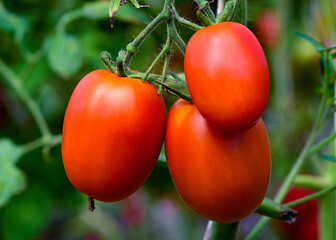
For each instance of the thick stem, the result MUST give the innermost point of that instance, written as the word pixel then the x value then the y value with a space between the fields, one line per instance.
pixel 219 231
pixel 277 211
pixel 16 84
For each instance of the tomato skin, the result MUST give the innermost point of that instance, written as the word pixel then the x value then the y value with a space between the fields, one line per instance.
pixel 221 176
pixel 113 132
pixel 306 226
pixel 227 75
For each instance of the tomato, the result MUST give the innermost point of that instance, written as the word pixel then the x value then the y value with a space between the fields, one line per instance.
pixel 227 76
pixel 306 226
pixel 221 176
pixel 112 134
pixel 268 28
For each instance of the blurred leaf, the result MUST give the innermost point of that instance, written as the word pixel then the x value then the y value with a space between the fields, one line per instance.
pixel 28 215
pixel 96 10
pixel 64 54
pixel 128 13
pixel 11 178
pixel 328 157
pixel 316 44
pixel 12 22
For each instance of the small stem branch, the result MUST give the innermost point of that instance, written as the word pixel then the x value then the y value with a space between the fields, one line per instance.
pixel 311 196
pixel 54 140
pixel 164 50
pixel 16 84
pixel 92 206
pixel 175 36
pixel 322 144
pixel 310 181
pixel 185 22
pixel 133 47
pixel 166 64
pixel 206 9
pixel 107 61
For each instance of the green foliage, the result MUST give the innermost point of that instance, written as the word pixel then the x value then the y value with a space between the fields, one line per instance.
pixel 64 54
pixel 12 180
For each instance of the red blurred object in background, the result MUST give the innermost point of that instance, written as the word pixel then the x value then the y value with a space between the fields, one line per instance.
pixel 133 210
pixel 268 28
pixel 306 226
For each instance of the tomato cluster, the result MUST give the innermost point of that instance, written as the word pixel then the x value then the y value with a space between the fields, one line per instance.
pixel 217 148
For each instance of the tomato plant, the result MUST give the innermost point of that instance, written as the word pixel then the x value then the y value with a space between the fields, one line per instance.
pixel 227 75
pixel 306 226
pixel 112 134
pixel 221 176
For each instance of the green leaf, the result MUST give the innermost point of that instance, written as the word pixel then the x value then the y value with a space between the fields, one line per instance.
pixel 328 157
pixel 12 179
pixel 128 13
pixel 64 54
pixel 96 10
pixel 315 43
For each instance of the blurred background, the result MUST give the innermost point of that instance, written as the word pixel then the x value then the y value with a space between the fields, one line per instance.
pixel 48 46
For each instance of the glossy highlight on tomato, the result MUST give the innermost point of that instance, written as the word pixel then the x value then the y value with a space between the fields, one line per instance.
pixel 113 132
pixel 227 75
pixel 221 176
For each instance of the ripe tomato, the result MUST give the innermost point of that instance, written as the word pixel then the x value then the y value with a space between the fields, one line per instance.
pixel 112 134
pixel 227 76
pixel 221 176
pixel 306 226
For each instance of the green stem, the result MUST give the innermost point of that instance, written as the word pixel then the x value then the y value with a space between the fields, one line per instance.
pixel 310 181
pixel 175 36
pixel 16 84
pixel 67 18
pixel 185 22
pixel 202 17
pixel 204 6
pixel 219 231
pixel 165 66
pixel 164 50
pixel 311 196
pixel 322 144
pixel 54 140
pixel 107 61
pixel 133 47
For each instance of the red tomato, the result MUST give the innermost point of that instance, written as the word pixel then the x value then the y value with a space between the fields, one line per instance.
pixel 268 28
pixel 221 176
pixel 112 134
pixel 306 225
pixel 227 76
